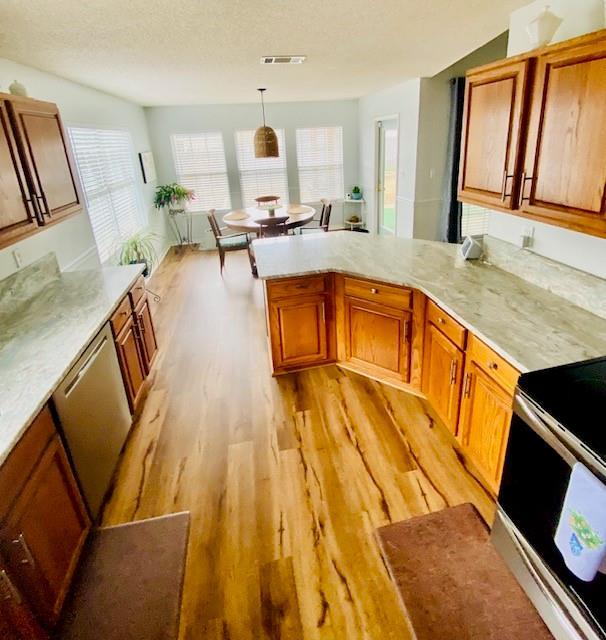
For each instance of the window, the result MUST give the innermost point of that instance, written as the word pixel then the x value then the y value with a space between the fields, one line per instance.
pixel 320 162
pixel 474 220
pixel 107 172
pixel 200 166
pixel 261 176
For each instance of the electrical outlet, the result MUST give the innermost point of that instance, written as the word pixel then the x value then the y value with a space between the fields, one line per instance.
pixel 17 257
pixel 527 237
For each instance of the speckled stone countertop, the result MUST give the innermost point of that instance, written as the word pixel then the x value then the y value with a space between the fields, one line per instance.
pixel 42 337
pixel 529 326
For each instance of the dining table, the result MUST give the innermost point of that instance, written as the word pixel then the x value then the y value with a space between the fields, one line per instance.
pixel 245 220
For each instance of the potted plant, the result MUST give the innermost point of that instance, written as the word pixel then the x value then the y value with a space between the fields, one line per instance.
pixel 356 193
pixel 139 249
pixel 174 196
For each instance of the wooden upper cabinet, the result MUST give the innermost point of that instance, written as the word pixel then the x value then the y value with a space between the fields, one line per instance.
pixel 564 180
pixel 47 157
pixel 18 213
pixel 492 136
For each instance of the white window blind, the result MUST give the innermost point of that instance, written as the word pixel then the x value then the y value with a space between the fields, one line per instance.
pixel 474 220
pixel 200 166
pixel 261 176
pixel 105 160
pixel 320 162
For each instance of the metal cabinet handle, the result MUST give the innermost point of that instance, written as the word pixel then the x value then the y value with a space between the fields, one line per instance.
pixel 10 591
pixel 453 371
pixel 467 389
pixel 493 365
pixel 441 321
pixel 20 541
pixel 506 176
pixel 523 182
pixel 373 290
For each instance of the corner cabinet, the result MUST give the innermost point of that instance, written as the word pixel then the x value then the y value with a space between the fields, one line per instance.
pixel 492 136
pixel 44 525
pixel 534 135
pixel 38 178
pixel 300 319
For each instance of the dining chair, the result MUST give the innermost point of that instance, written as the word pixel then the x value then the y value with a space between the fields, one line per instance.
pixel 324 221
pixel 230 242
pixel 272 226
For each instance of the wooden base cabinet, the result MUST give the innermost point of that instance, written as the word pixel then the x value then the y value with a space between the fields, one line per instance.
pixel 486 410
pixel 44 525
pixel 301 323
pixel 443 375
pixel 378 338
pixel 131 362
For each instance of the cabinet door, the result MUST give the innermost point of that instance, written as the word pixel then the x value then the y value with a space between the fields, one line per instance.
pixel 491 142
pixel 44 533
pixel 17 621
pixel 50 168
pixel 299 330
pixel 565 168
pixel 18 215
pixel 131 363
pixel 484 423
pixel 147 334
pixel 442 375
pixel 378 338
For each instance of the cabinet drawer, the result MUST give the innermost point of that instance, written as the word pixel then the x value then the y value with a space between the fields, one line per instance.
pixel 297 286
pixel 378 292
pixel 121 315
pixel 137 291
pixel 18 467
pixel 493 364
pixel 449 327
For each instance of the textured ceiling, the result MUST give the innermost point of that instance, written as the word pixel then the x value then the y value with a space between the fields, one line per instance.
pixel 156 52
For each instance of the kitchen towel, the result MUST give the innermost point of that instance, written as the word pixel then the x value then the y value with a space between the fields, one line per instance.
pixel 581 532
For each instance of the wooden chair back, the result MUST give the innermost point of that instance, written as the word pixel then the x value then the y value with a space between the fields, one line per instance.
pixel 325 217
pixel 272 226
pixel 214 225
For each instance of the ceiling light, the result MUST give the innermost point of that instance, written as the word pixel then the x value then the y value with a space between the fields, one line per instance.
pixel 266 140
pixel 283 59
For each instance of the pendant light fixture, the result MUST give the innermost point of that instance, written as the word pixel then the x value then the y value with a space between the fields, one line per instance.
pixel 266 140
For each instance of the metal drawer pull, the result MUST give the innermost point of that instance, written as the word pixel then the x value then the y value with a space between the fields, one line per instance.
pixel 20 542
pixel 10 591
pixel 453 371
pixel 373 290
pixel 441 321
pixel 493 365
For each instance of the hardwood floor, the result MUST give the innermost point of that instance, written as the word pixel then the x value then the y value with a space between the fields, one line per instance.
pixel 286 479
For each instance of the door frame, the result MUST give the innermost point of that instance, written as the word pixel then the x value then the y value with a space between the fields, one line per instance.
pixel 377 170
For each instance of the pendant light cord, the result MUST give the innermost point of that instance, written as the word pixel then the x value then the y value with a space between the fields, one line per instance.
pixel 262 104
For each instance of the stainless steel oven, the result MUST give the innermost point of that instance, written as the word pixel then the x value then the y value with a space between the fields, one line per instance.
pixel 559 419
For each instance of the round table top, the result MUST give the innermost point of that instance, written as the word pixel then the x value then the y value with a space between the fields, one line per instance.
pixel 303 215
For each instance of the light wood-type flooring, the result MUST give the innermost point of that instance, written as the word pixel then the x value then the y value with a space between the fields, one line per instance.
pixel 286 478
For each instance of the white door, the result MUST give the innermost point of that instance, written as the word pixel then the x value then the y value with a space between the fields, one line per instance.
pixel 387 175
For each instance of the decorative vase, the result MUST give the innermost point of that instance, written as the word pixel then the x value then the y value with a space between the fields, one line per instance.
pixel 17 89
pixel 271 211
pixel 542 28
pixel 356 196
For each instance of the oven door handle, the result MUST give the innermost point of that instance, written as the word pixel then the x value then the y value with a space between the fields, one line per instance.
pixel 571 453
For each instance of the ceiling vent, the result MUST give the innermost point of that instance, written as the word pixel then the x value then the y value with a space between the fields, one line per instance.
pixel 283 59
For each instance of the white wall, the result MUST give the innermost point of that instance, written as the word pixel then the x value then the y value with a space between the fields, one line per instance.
pixel 401 100
pixel 165 121
pixel 582 251
pixel 72 240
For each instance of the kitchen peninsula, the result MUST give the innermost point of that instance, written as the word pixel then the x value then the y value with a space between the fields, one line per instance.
pixel 397 309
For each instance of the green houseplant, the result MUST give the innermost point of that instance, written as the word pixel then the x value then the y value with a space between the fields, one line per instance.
pixel 139 249
pixel 356 193
pixel 174 196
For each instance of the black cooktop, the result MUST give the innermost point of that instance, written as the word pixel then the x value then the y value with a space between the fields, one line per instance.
pixel 575 396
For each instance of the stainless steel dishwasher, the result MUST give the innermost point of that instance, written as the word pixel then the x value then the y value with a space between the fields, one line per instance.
pixel 93 411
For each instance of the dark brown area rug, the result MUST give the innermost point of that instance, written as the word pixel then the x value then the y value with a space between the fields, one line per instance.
pixel 452 581
pixel 130 582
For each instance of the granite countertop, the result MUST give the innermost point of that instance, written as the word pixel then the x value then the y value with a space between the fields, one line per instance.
pixel 43 335
pixel 529 326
